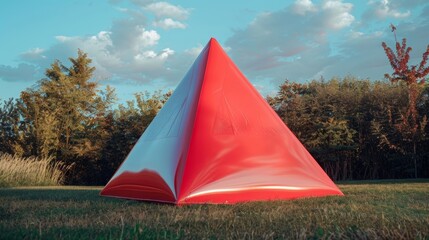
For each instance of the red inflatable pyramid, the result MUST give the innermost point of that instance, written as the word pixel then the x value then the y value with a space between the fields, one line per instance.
pixel 217 140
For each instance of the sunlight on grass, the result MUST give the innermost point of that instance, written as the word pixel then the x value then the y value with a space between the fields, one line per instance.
pixel 394 209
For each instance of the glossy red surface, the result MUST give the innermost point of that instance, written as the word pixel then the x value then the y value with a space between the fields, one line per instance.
pixel 234 147
pixel 144 185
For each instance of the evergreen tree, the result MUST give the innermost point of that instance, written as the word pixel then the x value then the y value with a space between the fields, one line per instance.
pixel 65 112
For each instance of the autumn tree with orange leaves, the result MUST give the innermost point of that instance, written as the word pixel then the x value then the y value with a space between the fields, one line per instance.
pixel 411 125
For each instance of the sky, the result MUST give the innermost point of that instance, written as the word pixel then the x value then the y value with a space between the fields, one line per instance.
pixel 145 45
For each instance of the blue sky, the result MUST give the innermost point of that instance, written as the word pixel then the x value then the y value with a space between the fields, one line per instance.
pixel 139 45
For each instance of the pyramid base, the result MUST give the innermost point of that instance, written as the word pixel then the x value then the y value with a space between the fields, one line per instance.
pixel 230 196
pixel 155 188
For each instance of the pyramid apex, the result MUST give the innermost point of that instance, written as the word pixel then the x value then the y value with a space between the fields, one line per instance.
pixel 213 41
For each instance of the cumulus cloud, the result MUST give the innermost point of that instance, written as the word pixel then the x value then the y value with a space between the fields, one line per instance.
pixel 383 9
pixel 288 43
pixel 128 35
pixel 167 16
pixel 195 51
pixel 337 14
pixel 303 6
pixel 167 10
pixel 169 23
pixel 129 57
pixel 312 39
pixel 33 55
pixel 129 50
pixel 152 58
pixel 303 41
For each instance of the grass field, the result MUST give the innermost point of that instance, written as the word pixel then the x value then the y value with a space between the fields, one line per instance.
pixel 370 210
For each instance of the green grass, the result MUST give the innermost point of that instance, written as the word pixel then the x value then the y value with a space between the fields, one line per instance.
pixel 370 210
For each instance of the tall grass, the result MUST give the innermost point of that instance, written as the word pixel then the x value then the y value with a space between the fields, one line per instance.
pixel 30 171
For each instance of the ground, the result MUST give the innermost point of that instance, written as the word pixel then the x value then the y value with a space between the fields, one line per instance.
pixel 369 210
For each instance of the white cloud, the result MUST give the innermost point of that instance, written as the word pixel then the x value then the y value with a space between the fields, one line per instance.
pixel 129 50
pixel 300 42
pixel 303 6
pixel 327 41
pixel 33 54
pixel 355 34
pixel 114 60
pixel 150 55
pixel 383 9
pixel 169 23
pixel 337 14
pixel 147 38
pixel 280 43
pixel 129 35
pixel 167 10
pixel 195 51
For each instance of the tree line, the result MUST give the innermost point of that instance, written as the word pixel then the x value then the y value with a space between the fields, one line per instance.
pixel 358 129
pixel 67 116
pixel 355 128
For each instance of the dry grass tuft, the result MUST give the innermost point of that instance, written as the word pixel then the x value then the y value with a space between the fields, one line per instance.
pixel 30 171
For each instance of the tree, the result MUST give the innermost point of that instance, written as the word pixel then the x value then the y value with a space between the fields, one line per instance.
pixel 320 114
pixel 67 96
pixel 125 125
pixel 344 125
pixel 9 127
pixel 291 104
pixel 65 113
pixel 334 142
pixel 411 124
